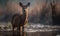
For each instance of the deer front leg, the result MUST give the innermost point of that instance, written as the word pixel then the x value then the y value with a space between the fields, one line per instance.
pixel 22 30
pixel 18 31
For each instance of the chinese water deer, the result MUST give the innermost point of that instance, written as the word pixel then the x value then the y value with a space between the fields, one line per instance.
pixel 18 20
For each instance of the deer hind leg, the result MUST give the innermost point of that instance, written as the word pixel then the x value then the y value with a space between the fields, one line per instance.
pixel 13 31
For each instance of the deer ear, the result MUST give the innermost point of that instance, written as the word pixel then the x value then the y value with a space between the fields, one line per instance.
pixel 20 4
pixel 28 4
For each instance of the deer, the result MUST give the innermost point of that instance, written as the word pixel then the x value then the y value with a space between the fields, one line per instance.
pixel 18 20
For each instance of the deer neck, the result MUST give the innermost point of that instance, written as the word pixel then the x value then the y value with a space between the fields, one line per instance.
pixel 24 13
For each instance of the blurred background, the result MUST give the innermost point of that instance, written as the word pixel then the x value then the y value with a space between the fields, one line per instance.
pixel 38 12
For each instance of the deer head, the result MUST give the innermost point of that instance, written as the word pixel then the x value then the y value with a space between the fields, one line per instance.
pixel 24 7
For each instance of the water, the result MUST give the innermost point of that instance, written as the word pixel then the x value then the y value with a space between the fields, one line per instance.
pixel 42 30
pixel 36 30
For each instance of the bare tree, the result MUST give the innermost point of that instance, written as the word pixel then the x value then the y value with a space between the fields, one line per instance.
pixel 43 13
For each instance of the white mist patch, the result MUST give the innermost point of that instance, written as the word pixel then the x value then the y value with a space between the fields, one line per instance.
pixel 42 28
